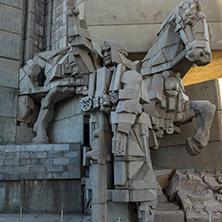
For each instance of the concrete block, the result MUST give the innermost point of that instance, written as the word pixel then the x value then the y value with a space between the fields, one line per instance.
pixel 8 102
pixel 57 175
pixel 29 148
pixel 24 155
pixel 53 169
pixel 58 135
pixel 24 134
pixel 172 157
pixel 120 196
pixel 14 3
pixel 133 168
pixel 45 147
pixel 72 154
pixel 61 161
pixel 9 73
pixel 11 148
pixel 209 90
pixel 54 154
pixel 37 169
pixel 119 173
pixel 203 217
pixel 7 169
pixel 41 155
pixel 11 19
pixel 75 146
pixel 10 155
pixel 8 130
pixel 61 147
pixel 22 169
pixel 12 40
pixel 170 216
pixel 143 195
pixel 11 162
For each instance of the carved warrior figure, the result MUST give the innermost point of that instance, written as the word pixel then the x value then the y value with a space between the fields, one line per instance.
pixel 183 40
pixel 141 107
pixel 125 91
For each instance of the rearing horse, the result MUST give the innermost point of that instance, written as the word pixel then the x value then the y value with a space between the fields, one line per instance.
pixel 183 40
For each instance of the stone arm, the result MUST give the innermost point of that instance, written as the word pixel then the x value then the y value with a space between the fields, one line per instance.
pixel 131 96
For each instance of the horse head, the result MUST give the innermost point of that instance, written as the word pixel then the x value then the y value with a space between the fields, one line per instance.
pixel 191 26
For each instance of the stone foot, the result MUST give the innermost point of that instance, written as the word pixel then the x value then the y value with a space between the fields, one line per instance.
pixel 40 139
pixel 193 147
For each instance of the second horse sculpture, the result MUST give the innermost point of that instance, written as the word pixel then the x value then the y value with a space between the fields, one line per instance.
pixel 182 41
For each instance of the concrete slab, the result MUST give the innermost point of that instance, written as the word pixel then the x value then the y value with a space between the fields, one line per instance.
pixel 103 12
pixel 40 218
pixel 11 19
pixel 176 157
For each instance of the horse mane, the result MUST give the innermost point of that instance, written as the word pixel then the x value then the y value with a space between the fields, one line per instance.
pixel 169 18
pixel 173 15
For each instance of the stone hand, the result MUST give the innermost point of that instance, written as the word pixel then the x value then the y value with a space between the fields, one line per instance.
pixel 119 144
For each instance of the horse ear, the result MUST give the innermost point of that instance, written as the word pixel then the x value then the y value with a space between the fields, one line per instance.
pixel 209 30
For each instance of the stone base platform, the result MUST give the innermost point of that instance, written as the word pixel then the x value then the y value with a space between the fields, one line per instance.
pixel 43 178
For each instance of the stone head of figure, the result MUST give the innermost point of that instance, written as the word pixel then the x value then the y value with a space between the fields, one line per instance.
pixel 191 26
pixel 111 51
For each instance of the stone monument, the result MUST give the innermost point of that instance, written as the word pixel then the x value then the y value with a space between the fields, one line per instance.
pixel 130 107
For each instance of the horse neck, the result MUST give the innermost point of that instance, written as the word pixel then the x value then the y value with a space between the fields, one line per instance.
pixel 167 38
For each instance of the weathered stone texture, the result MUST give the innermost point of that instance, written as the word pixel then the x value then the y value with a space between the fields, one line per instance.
pixel 9 73
pixel 10 45
pixel 41 196
pixel 102 17
pixel 14 3
pixel 8 102
pixel 10 19
pixel 7 129
pixel 173 157
pixel 32 162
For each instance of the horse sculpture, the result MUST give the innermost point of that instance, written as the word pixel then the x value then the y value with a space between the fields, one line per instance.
pixel 182 41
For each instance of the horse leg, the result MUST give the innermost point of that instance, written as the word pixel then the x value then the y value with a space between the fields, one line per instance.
pixel 54 95
pixel 202 114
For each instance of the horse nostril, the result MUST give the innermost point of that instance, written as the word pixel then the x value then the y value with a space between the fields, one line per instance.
pixel 201 55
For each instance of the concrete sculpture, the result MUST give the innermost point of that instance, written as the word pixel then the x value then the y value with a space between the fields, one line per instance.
pixel 53 76
pixel 141 108
pixel 183 40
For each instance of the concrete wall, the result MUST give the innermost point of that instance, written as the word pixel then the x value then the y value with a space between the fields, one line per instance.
pixel 172 151
pixel 135 23
pixel 10 45
pixel 43 178
pixel 67 122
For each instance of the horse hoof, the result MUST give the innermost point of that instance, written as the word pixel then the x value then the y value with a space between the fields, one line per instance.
pixel 40 140
pixel 193 147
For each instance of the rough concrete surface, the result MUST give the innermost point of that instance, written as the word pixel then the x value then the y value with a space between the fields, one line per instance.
pixel 40 218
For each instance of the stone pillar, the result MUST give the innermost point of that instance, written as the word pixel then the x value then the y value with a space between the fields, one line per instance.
pixel 59 24
pixel 11 14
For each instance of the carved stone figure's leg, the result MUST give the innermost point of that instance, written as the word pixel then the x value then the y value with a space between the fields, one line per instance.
pixel 204 114
pixel 54 95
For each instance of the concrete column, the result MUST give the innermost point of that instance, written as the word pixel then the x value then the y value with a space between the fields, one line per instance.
pixel 11 14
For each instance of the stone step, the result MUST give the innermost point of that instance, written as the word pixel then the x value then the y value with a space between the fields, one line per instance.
pixel 170 216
